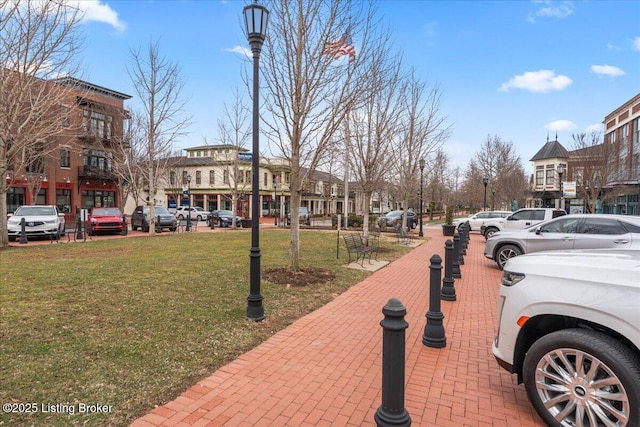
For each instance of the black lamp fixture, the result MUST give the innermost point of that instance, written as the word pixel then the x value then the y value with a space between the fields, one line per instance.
pixel 485 181
pixel 560 173
pixel 421 234
pixel 256 18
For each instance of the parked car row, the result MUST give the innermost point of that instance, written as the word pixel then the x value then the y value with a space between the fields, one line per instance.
pixel 569 317
pixel 577 231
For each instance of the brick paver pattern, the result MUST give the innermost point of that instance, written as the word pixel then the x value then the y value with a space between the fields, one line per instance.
pixel 326 368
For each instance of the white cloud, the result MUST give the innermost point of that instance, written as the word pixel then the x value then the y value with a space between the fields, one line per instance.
pixel 636 43
pixel 612 46
pixel 551 10
pixel 537 82
pixel 561 125
pixel 95 10
pixel 594 128
pixel 607 70
pixel 241 50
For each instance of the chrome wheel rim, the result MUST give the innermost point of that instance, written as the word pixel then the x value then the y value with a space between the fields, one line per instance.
pixel 504 255
pixel 579 390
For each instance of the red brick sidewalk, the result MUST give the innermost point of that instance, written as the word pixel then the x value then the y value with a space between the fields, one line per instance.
pixel 325 369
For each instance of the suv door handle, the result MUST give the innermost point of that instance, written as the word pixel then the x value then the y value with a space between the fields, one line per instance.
pixel 621 241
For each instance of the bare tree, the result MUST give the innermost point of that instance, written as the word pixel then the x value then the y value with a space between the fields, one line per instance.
pixel 38 43
pixel 308 93
pixel 373 126
pixel 234 129
pixel 591 164
pixel 158 85
pixel 422 132
pixel 498 162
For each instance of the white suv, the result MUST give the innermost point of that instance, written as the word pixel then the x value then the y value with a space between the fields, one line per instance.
pixel 569 327
pixel 196 213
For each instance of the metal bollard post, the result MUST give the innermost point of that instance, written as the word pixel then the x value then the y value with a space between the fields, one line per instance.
pixel 212 222
pixel 464 238
pixel 392 411
pixel 455 272
pixel 458 253
pixel 158 227
pixel 448 290
pixel 434 330
pixel 79 234
pixel 125 227
pixel 23 231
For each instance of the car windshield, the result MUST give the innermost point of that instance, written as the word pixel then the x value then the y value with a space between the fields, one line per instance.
pixel 106 212
pixel 395 213
pixel 229 213
pixel 198 208
pixel 35 211
pixel 158 210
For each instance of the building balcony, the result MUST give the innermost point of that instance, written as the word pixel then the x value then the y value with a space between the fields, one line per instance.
pixel 93 172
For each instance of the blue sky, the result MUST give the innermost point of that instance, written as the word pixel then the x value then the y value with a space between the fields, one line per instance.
pixel 517 69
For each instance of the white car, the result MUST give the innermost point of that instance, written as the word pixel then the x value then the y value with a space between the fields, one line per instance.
pixel 569 327
pixel 475 220
pixel 196 213
pixel 40 221
pixel 576 231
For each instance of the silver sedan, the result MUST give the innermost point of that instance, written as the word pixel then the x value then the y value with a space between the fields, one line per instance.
pixel 578 231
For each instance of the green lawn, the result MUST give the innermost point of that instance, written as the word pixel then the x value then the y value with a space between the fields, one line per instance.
pixel 132 323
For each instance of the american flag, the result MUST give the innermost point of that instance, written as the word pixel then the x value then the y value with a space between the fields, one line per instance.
pixel 342 46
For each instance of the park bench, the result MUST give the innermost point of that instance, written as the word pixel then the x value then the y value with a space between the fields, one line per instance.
pixel 355 245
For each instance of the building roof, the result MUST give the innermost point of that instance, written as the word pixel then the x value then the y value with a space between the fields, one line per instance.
pixel 90 87
pixel 551 150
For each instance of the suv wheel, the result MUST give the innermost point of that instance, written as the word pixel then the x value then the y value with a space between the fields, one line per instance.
pixel 490 232
pixel 506 252
pixel 578 377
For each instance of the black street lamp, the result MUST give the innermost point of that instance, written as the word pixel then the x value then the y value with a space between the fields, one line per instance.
pixel 485 181
pixel 189 198
pixel 256 18
pixel 421 234
pixel 560 173
pixel 493 199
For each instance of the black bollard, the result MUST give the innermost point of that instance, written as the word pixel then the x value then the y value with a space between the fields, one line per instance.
pixel 125 227
pixel 458 253
pixel 212 222
pixel 158 226
pixel 455 271
pixel 434 330
pixel 79 234
pixel 448 290
pixel 464 238
pixel 23 231
pixel 392 411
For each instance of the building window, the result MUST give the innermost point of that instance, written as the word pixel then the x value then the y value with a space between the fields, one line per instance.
pixel 97 124
pixel 212 177
pixel 550 175
pixel 540 177
pixel 248 176
pixel 184 177
pixel 15 198
pixel 239 176
pixel 64 116
pixel 225 176
pixel 63 200
pixel 198 177
pixel 172 178
pixel 265 180
pixel 65 158
pixel 97 159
